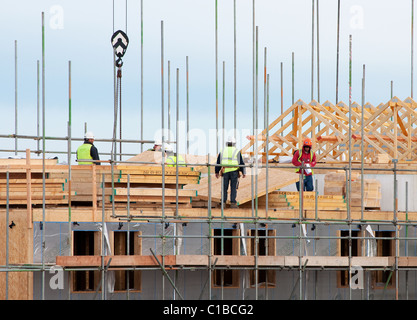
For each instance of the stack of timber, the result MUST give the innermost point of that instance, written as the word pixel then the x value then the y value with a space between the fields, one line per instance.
pixel 134 183
pixel 335 184
pixel 85 180
pixel 291 200
pixel 152 185
pixel 371 194
pixel 26 184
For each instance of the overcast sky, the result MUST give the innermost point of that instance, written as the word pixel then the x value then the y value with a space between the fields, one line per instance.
pixel 80 32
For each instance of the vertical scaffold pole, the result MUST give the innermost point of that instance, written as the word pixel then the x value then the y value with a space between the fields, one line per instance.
pixel 362 141
pixel 318 57
pixel 234 68
pixel 350 159
pixel 169 100
pixel 282 94
pixel 312 49
pixel 337 52
pixel 7 234
pixel 15 97
pixel 43 155
pixel 37 105
pixel 217 75
pixel 69 164
pixel 224 105
pixel 163 154
pixel 188 105
pixel 141 74
pixel 412 47
pixel 177 140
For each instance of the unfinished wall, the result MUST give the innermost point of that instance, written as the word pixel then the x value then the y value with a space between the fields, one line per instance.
pixel 194 283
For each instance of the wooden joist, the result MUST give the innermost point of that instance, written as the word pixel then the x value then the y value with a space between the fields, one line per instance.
pixel 150 199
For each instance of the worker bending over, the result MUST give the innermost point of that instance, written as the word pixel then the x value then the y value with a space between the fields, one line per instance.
pixel 87 150
pixel 226 159
pixel 171 160
pixel 157 146
pixel 305 157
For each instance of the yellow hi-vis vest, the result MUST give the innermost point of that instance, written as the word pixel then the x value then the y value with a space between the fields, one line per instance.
pixel 83 152
pixel 172 160
pixel 229 157
pixel 300 152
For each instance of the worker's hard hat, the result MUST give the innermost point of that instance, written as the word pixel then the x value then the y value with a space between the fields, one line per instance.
pixel 158 143
pixel 231 140
pixel 168 148
pixel 307 142
pixel 89 135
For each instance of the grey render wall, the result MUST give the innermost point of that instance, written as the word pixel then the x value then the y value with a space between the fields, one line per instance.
pixel 193 283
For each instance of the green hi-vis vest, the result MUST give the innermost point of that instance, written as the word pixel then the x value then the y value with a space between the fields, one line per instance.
pixel 229 157
pixel 83 152
pixel 172 160
pixel 300 152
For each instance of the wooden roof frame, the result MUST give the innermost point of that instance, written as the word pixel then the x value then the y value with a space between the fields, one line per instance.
pixel 389 128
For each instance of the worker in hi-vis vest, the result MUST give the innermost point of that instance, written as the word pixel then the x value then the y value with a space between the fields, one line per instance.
pixel 226 159
pixel 308 157
pixel 172 160
pixel 87 150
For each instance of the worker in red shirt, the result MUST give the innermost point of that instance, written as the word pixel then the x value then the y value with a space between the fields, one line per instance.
pixel 307 157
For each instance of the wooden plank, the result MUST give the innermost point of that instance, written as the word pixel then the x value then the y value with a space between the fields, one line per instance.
pixel 277 179
pixel 155 192
pixel 143 170
pixel 116 261
pixel 233 261
pixel 19 162
pixel 23 195
pixel 155 199
pixel 159 179
pixel 407 261
pixel 34 181
pixel 36 201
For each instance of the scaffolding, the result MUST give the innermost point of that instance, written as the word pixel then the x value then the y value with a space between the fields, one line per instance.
pixel 169 236
pixel 257 252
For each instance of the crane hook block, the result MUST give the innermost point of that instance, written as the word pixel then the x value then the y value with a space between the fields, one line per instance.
pixel 119 41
